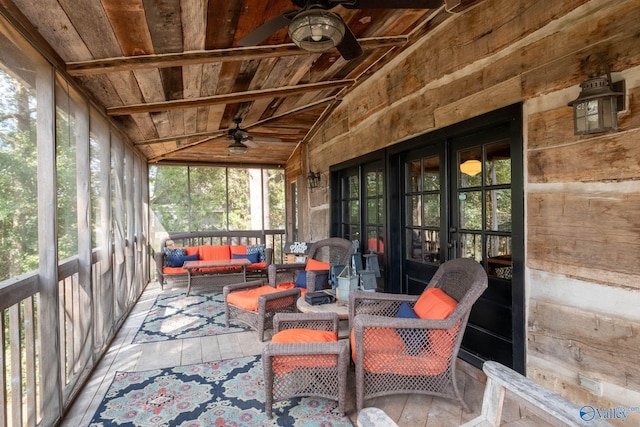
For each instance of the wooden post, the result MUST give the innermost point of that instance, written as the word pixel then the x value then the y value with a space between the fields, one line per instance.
pixel 51 385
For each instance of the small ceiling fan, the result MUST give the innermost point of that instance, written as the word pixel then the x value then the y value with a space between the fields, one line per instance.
pixel 242 140
pixel 315 29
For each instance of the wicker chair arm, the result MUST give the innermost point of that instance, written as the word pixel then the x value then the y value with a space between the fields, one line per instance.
pixel 275 271
pixel 374 302
pixel 268 302
pixel 369 321
pixel 317 321
pixel 241 286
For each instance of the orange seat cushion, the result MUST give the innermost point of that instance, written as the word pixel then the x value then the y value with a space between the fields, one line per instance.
pixel 248 299
pixel 284 364
pixel 303 335
pixel 313 264
pixel 434 304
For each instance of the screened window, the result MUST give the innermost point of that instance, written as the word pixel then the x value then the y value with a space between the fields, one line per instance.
pixel 18 162
pixel 216 198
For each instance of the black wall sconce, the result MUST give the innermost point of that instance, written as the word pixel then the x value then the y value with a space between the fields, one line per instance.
pixel 313 179
pixel 595 110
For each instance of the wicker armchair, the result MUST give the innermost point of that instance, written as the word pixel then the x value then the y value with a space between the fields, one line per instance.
pixel 334 250
pixel 395 355
pixel 259 317
pixel 298 369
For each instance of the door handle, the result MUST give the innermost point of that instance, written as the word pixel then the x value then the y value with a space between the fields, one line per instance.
pixel 453 244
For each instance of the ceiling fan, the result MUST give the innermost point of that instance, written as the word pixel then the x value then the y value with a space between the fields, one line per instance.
pixel 315 29
pixel 242 140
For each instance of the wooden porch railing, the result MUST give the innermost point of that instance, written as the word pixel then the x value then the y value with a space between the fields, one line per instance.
pixel 89 314
pixel 83 331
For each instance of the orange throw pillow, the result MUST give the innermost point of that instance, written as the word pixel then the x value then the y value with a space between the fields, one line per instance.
pixel 313 264
pixel 434 304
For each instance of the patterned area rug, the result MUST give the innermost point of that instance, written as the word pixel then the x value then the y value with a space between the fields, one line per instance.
pixel 177 316
pixel 226 393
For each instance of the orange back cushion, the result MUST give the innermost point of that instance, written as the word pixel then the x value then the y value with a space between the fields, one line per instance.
pixel 217 252
pixel 192 250
pixel 239 249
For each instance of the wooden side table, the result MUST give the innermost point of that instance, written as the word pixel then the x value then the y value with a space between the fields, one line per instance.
pixel 342 310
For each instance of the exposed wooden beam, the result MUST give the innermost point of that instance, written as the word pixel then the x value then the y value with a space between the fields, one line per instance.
pixel 249 95
pixel 220 132
pixel 111 65
pixel 216 134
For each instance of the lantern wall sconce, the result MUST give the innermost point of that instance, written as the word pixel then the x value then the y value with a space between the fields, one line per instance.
pixel 313 179
pixel 595 110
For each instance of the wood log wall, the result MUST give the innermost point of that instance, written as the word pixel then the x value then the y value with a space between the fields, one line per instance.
pixel 582 192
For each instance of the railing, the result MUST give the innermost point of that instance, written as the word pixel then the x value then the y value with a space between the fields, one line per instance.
pixel 276 239
pixel 88 320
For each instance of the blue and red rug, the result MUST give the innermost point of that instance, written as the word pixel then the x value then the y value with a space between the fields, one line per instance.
pixel 225 393
pixel 177 316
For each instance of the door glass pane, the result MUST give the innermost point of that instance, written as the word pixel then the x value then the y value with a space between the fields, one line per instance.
pixel 471 246
pixel 470 167
pixel 423 209
pixel 499 210
pixel 354 211
pixel 372 211
pixel 431 177
pixel 414 217
pixel 354 187
pixel 498 163
pixel 432 210
pixel 413 176
pixel 470 203
pixel 499 257
pixel 432 246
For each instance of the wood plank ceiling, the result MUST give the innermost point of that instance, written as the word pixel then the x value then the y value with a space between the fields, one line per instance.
pixel 173 78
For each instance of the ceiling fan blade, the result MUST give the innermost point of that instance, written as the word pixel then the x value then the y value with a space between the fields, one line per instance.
pixel 395 4
pixel 349 47
pixel 250 143
pixel 264 31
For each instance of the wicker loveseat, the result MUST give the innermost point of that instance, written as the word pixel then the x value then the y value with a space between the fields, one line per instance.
pixel 212 245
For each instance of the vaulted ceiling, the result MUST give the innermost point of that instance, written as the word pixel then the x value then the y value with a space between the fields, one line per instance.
pixel 173 76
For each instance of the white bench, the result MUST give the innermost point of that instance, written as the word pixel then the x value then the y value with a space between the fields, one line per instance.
pixel 549 406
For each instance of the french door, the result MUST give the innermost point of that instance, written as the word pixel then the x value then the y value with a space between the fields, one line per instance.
pixel 456 192
pixel 462 198
pixel 362 214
